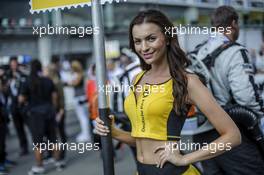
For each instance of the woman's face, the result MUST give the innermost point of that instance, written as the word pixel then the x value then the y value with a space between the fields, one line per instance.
pixel 149 42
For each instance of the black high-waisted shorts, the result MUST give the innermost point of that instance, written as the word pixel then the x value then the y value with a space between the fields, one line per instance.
pixel 168 169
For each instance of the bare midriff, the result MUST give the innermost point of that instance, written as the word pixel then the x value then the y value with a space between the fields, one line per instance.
pixel 146 149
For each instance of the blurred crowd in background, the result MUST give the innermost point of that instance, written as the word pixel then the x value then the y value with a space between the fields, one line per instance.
pixel 16 84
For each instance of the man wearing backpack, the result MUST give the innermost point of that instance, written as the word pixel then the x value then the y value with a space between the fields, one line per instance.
pixel 232 82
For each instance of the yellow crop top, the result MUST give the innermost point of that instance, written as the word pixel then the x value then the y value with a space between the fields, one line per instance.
pixel 152 114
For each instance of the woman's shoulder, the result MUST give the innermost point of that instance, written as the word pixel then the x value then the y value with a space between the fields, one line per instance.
pixel 193 80
pixel 194 86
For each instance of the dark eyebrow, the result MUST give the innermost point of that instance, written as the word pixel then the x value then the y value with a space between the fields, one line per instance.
pixel 136 38
pixel 145 37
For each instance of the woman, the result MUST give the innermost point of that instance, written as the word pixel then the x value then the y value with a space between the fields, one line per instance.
pixel 157 117
pixel 80 100
pixel 52 73
pixel 39 94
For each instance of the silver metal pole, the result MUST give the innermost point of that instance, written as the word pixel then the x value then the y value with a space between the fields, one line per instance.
pixel 99 53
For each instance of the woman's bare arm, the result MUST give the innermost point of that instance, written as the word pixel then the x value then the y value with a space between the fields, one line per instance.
pixel 229 133
pixel 123 136
pixel 118 134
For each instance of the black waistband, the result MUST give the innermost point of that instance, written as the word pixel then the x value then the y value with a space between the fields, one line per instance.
pixel 168 169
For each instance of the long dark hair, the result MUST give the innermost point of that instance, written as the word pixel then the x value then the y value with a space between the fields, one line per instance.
pixel 35 69
pixel 177 59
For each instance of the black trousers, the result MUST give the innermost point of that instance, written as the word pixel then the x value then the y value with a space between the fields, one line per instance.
pixel 19 122
pixel 242 160
pixel 2 140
